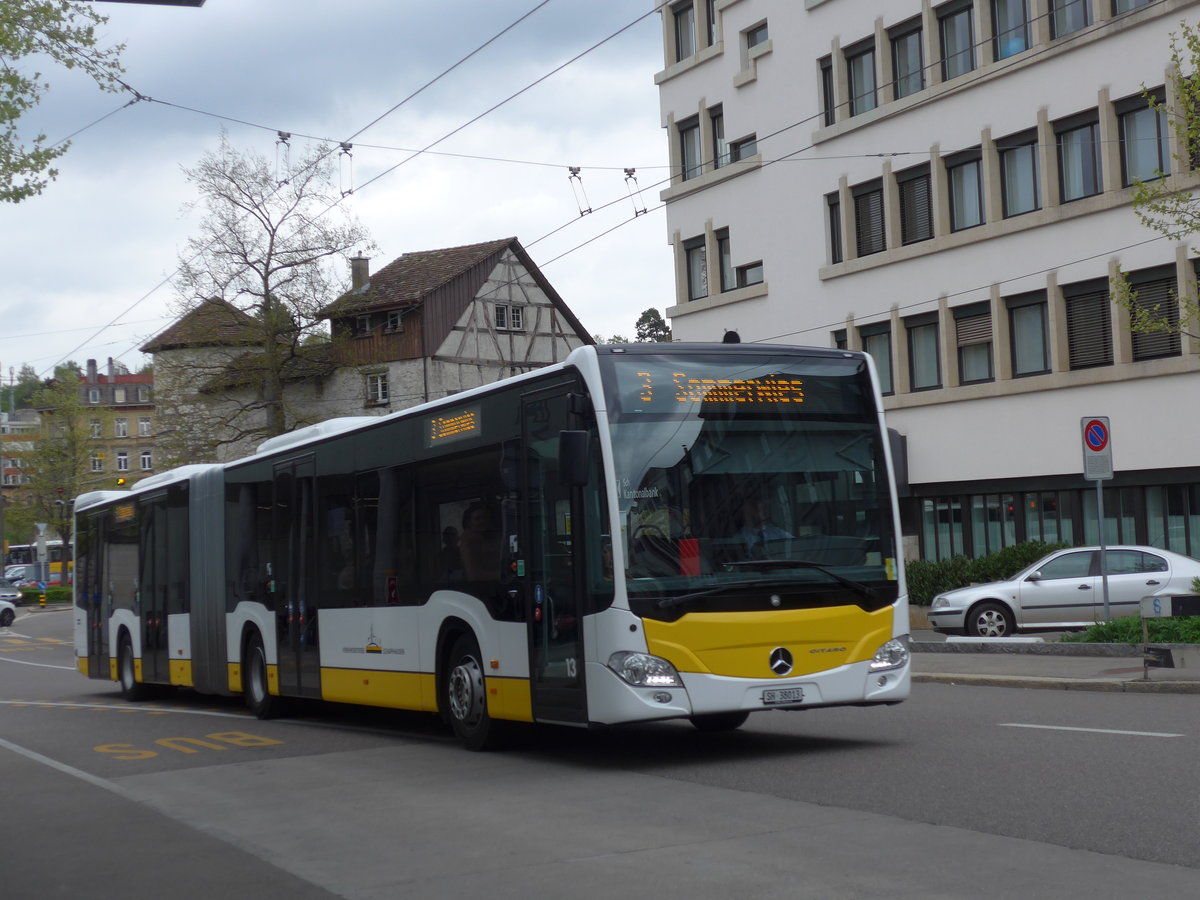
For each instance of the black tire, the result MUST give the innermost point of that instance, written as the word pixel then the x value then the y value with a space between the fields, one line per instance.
pixel 464 694
pixel 6 617
pixel 713 722
pixel 255 683
pixel 131 689
pixel 993 620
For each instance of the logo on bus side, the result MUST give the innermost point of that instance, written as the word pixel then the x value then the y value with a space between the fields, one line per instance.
pixel 781 661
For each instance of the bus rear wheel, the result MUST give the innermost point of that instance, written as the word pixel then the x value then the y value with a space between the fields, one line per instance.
pixel 465 695
pixel 255 682
pixel 728 721
pixel 131 688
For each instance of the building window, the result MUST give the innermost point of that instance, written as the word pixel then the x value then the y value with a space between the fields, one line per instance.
pixel 728 275
pixel 716 121
pixel 122 461
pixel 1019 174
pixel 143 394
pixel 1089 324
pixel 973 333
pixel 94 428
pixel 957 34
pixel 833 202
pixel 1123 6
pixel 119 395
pixel 1028 334
pixel 509 317
pixel 743 148
pixel 143 427
pixel 966 190
pixel 685 30
pixel 121 428
pixel 924 368
pixel 860 66
pixel 377 388
pixel 877 341
pixel 1144 151
pixel 1010 24
pixel 97 462
pixel 750 273
pixel 1069 16
pixel 93 395
pixel 362 325
pixel 756 35
pixel 696 262
pixel 147 460
pixel 689 148
pixel 828 104
pixel 1155 296
pixel 908 62
pixel 916 207
pixel 710 33
pixel 868 219
pixel 394 321
pixel 1079 159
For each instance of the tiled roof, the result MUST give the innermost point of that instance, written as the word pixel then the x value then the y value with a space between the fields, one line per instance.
pixel 214 323
pixel 406 281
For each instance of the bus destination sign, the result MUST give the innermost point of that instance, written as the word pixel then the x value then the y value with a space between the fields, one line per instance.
pixel 767 390
pixel 443 428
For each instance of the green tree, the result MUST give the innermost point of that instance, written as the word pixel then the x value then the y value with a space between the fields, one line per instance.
pixel 58 462
pixel 266 250
pixel 652 328
pixel 33 31
pixel 1160 204
pixel 19 395
pixel 612 339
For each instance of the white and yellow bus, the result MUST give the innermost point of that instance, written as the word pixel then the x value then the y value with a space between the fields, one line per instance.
pixel 641 532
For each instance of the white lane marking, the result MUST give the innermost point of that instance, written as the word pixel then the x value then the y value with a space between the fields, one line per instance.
pixel 63 767
pixel 129 708
pixel 25 662
pixel 1162 734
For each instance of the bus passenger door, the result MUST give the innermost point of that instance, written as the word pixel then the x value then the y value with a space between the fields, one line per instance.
pixel 551 552
pixel 292 564
pixel 152 588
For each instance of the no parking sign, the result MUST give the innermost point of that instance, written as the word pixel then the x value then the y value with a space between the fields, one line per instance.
pixel 1097 448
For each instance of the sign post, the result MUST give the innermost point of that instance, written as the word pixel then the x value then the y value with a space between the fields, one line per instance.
pixel 1098 467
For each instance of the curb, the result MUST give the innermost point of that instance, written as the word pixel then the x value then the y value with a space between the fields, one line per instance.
pixel 1062 684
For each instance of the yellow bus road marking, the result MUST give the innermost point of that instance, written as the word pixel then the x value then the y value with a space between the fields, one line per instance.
pixel 227 739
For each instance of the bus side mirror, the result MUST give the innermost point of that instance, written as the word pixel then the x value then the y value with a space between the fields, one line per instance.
pixel 573 462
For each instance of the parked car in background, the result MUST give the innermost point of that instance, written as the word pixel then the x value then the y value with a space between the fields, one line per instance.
pixel 1064 590
pixel 9 591
pixel 25 573
pixel 8 612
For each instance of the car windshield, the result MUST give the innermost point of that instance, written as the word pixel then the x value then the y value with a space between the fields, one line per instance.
pixel 750 472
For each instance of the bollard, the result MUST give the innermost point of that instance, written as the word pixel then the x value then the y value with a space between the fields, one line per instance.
pixel 42 600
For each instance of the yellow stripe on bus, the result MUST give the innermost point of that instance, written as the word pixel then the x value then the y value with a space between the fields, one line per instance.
pixel 739 645
pixel 509 698
pixel 181 672
pixel 394 690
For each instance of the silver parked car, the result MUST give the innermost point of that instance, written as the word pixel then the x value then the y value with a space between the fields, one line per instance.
pixel 1064 590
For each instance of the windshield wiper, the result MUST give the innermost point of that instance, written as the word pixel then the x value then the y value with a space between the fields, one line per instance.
pixel 861 589
pixel 672 602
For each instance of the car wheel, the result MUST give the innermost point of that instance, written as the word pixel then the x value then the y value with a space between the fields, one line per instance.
pixel 6 617
pixel 990 620
pixel 255 681
pixel 713 722
pixel 132 689
pixel 465 695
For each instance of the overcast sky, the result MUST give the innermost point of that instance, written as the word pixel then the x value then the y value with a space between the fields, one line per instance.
pixel 87 265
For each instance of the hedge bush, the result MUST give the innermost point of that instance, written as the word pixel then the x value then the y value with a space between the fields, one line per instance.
pixel 1128 630
pixel 31 596
pixel 928 579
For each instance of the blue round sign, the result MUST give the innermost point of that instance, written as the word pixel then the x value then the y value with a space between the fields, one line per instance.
pixel 1095 435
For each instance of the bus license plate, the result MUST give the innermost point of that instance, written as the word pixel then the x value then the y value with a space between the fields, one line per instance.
pixel 777 696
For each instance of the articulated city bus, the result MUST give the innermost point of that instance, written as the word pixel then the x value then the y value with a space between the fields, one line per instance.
pixel 640 532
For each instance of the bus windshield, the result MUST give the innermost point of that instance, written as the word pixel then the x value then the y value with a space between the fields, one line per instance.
pixel 750 470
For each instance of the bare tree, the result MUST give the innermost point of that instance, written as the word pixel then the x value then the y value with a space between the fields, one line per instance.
pixel 268 255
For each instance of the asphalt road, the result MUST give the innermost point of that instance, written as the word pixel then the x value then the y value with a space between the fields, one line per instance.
pixel 962 791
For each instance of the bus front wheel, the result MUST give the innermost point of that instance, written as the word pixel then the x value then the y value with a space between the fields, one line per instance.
pixel 465 694
pixel 131 688
pixel 255 682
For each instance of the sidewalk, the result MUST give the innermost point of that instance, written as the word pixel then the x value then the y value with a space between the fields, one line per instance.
pixel 1032 663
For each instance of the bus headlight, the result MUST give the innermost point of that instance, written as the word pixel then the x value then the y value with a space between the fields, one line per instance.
pixel 644 670
pixel 892 655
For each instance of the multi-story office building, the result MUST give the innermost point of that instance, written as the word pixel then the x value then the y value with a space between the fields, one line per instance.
pixel 119 405
pixel 948 186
